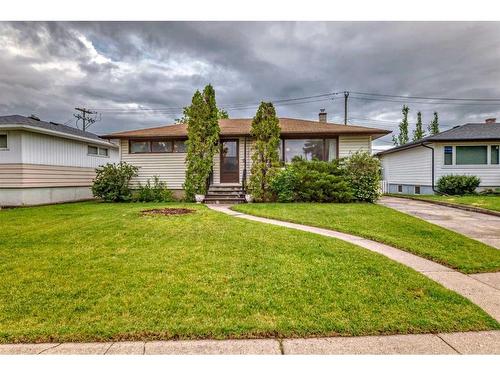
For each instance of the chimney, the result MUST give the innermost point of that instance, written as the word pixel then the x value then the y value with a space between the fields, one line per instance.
pixel 490 120
pixel 322 115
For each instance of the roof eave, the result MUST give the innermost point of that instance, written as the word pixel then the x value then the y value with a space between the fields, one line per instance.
pixel 36 129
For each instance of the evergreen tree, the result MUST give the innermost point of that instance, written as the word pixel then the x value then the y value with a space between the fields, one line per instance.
pixel 265 159
pixel 203 139
pixel 418 133
pixel 434 125
pixel 222 114
pixel 402 137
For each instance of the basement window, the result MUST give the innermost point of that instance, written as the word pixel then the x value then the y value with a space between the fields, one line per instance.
pixel 3 140
pixel 400 188
pixel 417 189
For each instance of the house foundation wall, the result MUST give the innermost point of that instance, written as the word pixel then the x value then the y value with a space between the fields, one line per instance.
pixel 15 197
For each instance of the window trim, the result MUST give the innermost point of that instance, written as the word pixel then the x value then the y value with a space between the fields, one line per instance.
pixel 6 148
pixel 491 154
pixel 151 140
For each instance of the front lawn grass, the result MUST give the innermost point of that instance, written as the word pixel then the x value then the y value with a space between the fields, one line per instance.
pixel 490 202
pixel 389 226
pixel 95 271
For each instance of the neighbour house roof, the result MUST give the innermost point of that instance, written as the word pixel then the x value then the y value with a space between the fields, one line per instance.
pixel 241 127
pixel 466 132
pixel 52 128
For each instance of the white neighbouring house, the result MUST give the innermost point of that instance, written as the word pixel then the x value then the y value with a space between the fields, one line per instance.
pixel 45 162
pixel 470 149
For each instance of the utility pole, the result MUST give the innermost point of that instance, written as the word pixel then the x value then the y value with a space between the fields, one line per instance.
pixel 84 116
pixel 346 95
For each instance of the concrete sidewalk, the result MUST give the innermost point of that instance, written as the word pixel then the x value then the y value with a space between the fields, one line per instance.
pixel 481 227
pixel 483 294
pixel 486 342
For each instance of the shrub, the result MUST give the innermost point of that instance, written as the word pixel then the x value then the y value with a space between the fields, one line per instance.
pixel 112 180
pixel 311 181
pixel 157 192
pixel 362 172
pixel 458 184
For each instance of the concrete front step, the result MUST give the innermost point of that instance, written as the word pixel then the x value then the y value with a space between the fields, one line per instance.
pixel 211 200
pixel 228 193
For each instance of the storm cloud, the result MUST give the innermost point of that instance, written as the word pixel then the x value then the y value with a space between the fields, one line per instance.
pixel 117 67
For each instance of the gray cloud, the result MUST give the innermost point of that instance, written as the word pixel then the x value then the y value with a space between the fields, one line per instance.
pixel 49 68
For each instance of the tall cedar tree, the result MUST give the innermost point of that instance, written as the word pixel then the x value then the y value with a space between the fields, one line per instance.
pixel 418 133
pixel 434 125
pixel 203 139
pixel 265 159
pixel 402 137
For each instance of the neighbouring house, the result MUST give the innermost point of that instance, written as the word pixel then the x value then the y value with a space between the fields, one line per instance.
pixel 45 162
pixel 161 151
pixel 470 149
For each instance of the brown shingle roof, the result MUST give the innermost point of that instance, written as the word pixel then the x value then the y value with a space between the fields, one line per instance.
pixel 241 127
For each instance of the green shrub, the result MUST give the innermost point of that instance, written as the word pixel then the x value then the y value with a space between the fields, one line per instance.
pixel 311 181
pixel 157 192
pixel 454 184
pixel 112 180
pixel 362 172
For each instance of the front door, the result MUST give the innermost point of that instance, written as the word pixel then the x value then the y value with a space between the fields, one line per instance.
pixel 229 161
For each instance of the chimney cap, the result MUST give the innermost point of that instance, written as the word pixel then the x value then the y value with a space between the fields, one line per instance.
pixel 322 110
pixel 490 120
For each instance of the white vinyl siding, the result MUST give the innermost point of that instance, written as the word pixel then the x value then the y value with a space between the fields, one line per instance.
pixel 488 173
pixel 169 167
pixel 349 144
pixel 49 150
pixel 13 152
pixel 410 167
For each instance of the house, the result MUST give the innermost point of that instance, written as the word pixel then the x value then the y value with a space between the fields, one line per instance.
pixel 470 149
pixel 161 151
pixel 45 162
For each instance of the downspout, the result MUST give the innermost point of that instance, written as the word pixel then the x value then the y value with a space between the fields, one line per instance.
pixel 432 167
pixel 243 183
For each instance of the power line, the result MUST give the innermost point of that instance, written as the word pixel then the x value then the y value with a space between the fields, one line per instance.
pixel 420 102
pixel 427 97
pixel 84 116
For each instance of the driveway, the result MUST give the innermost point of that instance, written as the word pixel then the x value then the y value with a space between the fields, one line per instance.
pixel 481 227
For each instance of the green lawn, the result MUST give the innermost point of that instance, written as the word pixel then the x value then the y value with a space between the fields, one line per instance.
pixel 490 202
pixel 389 226
pixel 94 271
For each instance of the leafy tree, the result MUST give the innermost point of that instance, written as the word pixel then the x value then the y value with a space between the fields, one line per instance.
pixel 203 138
pixel 434 125
pixel 402 137
pixel 222 114
pixel 418 133
pixel 265 160
pixel 363 173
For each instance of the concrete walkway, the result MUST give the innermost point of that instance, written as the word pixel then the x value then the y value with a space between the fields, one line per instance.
pixel 483 293
pixel 485 342
pixel 481 227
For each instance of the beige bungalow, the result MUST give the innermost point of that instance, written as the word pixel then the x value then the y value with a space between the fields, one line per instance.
pixel 161 151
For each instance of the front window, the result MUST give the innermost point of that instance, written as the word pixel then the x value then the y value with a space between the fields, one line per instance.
pixel 180 146
pixel 495 157
pixel 92 150
pixel 471 155
pixel 3 140
pixel 166 146
pixel 161 146
pixel 140 146
pixel 309 149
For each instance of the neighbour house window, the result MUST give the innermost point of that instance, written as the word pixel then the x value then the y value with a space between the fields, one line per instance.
pixel 309 149
pixel 495 156
pixel 92 150
pixel 471 155
pixel 448 155
pixel 417 189
pixel 3 140
pixel 138 147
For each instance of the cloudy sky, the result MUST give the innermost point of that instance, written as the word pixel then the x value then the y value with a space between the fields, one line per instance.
pixel 125 69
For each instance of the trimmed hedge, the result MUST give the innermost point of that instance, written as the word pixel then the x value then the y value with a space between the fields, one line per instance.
pixel 454 184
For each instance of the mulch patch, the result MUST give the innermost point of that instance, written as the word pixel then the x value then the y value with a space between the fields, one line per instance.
pixel 168 211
